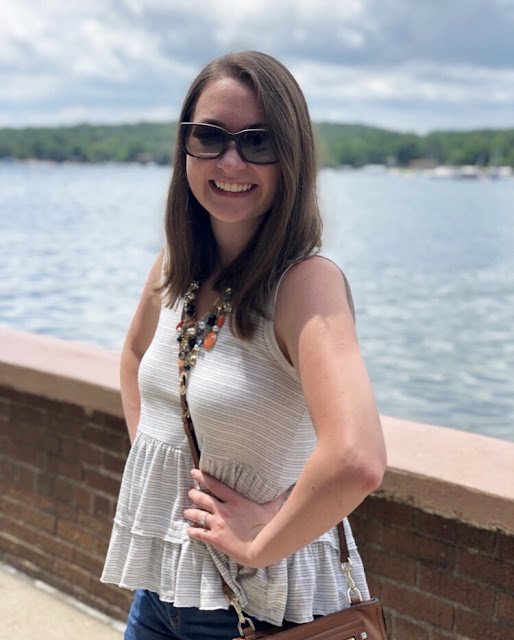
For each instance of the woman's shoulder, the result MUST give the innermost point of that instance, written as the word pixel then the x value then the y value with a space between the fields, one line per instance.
pixel 311 279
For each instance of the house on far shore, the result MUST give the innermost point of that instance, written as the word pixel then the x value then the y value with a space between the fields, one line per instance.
pixel 420 164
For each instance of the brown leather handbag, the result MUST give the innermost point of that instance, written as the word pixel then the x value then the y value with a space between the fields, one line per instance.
pixel 361 620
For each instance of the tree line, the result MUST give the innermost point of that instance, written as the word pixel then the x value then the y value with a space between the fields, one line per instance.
pixel 338 144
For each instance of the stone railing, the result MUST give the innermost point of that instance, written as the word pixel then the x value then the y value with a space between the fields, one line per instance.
pixel 437 539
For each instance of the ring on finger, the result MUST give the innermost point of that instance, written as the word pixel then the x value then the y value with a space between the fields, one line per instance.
pixel 203 521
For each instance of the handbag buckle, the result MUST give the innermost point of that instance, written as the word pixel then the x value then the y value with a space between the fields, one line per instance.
pixel 353 594
pixel 234 601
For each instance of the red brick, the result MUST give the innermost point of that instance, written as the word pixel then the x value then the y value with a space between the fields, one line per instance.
pixel 65 511
pixel 456 589
pixel 102 482
pixel 82 497
pixel 44 483
pixel 34 517
pixel 437 527
pixel 53 546
pixel 114 464
pixel 92 564
pixel 12 395
pixel 28 552
pixel 119 598
pixel 25 496
pixel 25 476
pixel 114 423
pixel 63 489
pixel 6 473
pixel 5 408
pixel 43 404
pixel 473 538
pixel 505 547
pixel 61 467
pixel 390 566
pixel 418 605
pixel 82 452
pixel 102 544
pixel 472 625
pixel 440 635
pixel 103 507
pixel 486 570
pixel 405 629
pixel 27 455
pixel 42 439
pixel 506 607
pixel 69 428
pixel 367 532
pixel 106 439
pixel 19 530
pixel 412 545
pixel 98 526
pixel 393 513
pixel 71 412
pixel 26 414
pixel 74 575
pixel 12 431
pixel 76 535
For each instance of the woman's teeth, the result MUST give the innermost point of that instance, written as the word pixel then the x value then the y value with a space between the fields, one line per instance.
pixel 230 186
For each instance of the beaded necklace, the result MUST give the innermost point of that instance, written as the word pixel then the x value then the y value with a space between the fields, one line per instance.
pixel 193 334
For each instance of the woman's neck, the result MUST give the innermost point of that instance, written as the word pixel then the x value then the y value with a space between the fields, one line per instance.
pixel 231 239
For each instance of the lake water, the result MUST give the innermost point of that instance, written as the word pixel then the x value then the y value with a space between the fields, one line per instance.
pixel 431 264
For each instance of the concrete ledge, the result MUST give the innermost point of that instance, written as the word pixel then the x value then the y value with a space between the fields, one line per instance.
pixel 450 473
pixel 70 372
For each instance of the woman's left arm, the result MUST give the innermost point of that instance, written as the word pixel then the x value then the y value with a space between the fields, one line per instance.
pixel 315 329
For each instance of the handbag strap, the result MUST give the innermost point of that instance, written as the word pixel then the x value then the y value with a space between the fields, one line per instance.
pixel 353 594
pixel 195 451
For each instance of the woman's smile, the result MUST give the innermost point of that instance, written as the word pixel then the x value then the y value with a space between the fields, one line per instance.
pixel 232 188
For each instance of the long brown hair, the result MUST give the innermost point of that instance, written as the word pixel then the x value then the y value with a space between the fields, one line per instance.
pixel 289 232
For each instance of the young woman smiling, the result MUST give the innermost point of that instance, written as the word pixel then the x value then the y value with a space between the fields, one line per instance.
pixel 269 370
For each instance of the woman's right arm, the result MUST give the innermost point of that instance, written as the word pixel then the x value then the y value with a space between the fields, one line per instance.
pixel 139 337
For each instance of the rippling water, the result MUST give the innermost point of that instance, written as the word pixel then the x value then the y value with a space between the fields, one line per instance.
pixel 431 265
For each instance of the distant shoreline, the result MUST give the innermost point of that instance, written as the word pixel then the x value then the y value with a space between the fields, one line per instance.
pixel 346 145
pixel 437 172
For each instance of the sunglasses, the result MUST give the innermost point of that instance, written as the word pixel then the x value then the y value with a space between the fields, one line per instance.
pixel 208 141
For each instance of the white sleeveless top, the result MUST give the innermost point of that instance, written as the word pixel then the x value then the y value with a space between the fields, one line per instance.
pixel 255 435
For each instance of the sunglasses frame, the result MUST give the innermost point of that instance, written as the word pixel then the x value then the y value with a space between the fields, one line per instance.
pixel 227 137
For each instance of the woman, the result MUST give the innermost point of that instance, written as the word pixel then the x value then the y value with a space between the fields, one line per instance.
pixel 281 402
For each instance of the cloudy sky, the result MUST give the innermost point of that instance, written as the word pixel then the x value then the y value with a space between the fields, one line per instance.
pixel 415 65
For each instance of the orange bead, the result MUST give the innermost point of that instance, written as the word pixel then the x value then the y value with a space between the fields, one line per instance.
pixel 180 363
pixel 221 321
pixel 209 341
pixel 179 325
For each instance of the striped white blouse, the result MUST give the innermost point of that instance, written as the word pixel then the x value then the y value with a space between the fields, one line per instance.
pixel 255 435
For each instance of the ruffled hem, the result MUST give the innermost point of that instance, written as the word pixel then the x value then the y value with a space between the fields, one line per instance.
pixel 188 575
pixel 150 548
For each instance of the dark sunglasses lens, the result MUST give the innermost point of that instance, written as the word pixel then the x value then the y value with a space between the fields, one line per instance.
pixel 257 147
pixel 202 141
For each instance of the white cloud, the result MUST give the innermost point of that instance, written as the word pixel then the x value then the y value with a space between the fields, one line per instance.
pixel 372 60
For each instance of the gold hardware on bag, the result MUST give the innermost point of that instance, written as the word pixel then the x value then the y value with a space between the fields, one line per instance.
pixel 234 601
pixel 347 568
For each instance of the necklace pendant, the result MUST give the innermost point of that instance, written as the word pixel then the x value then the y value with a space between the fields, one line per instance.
pixel 209 341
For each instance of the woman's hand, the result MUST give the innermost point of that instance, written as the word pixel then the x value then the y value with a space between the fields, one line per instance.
pixel 227 520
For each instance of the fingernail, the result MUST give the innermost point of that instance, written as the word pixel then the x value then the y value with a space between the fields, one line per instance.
pixel 194 473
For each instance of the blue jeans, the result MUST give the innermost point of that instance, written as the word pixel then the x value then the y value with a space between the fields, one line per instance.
pixel 151 619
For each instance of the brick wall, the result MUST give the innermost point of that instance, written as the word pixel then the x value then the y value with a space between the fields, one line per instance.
pixel 438 578
pixel 61 465
pixel 60 469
